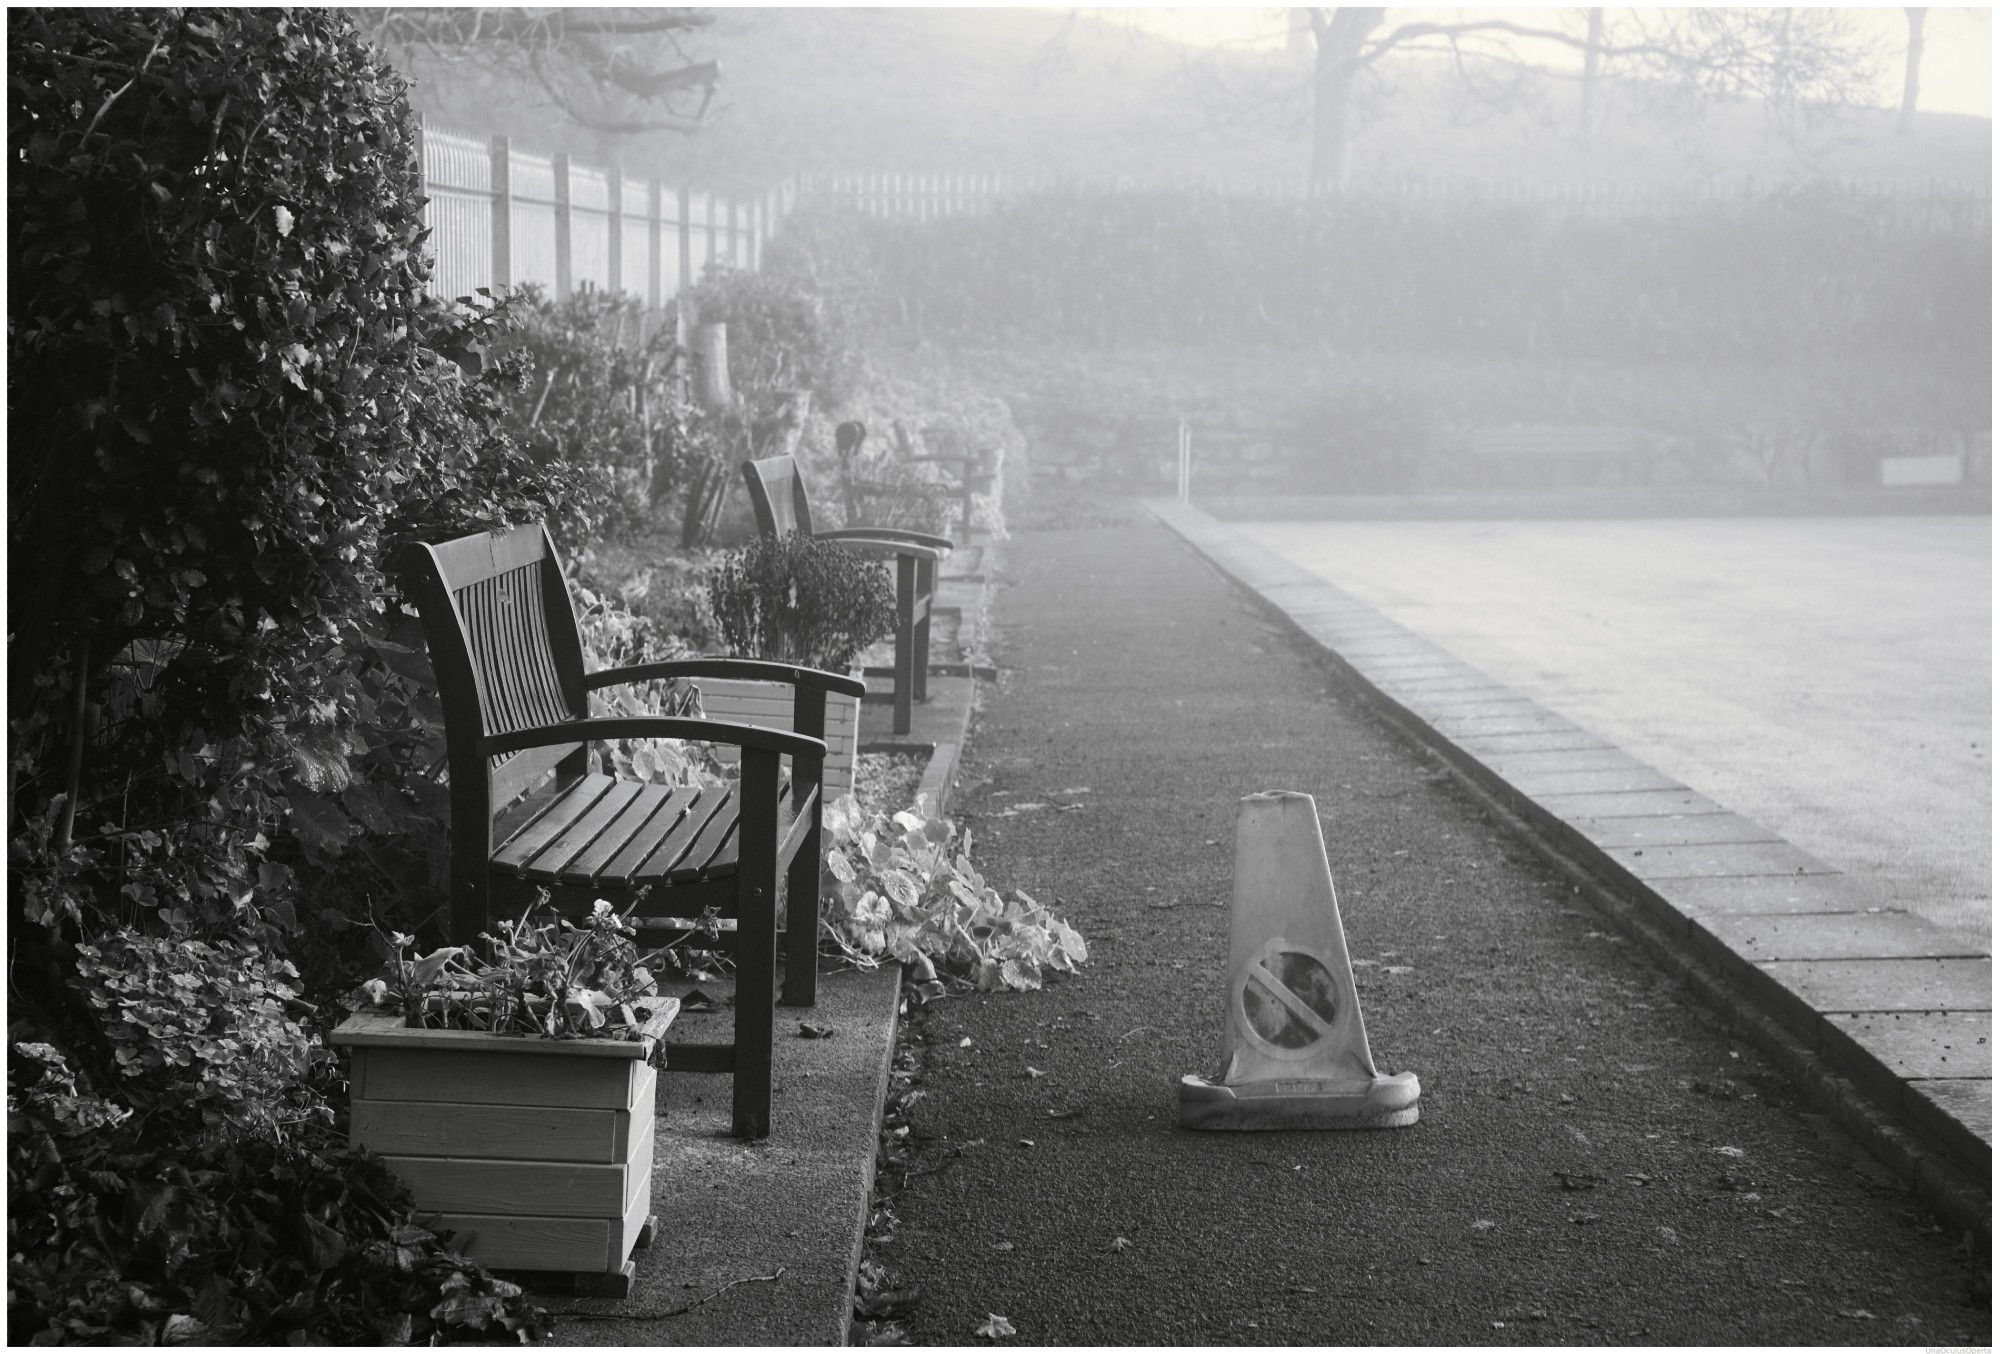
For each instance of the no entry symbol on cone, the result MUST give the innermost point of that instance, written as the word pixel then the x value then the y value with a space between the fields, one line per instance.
pixel 1290 1000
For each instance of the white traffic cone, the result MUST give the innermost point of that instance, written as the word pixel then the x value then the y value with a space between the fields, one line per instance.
pixel 1294 1049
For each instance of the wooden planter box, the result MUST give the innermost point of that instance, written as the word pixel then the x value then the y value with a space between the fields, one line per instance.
pixel 537 1153
pixel 768 705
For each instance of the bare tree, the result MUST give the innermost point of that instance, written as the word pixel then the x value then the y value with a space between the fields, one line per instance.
pixel 1913 60
pixel 1799 62
pixel 615 70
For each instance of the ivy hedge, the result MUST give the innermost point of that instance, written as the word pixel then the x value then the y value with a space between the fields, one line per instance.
pixel 230 398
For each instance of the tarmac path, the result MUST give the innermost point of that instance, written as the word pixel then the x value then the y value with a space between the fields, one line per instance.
pixel 1596 1162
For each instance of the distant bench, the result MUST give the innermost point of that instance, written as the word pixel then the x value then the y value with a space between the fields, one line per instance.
pixel 1540 454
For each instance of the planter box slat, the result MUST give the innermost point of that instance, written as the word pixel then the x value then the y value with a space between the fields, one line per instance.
pixel 381 1029
pixel 500 1242
pixel 553 1189
pixel 769 706
pixel 637 1209
pixel 509 1132
pixel 501 1079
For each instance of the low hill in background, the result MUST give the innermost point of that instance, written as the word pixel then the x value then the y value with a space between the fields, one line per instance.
pixel 1045 91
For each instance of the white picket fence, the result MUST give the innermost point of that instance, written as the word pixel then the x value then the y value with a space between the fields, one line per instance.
pixel 501 215
pixel 1931 204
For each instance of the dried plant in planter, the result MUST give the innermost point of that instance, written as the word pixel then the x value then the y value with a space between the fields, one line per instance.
pixel 559 979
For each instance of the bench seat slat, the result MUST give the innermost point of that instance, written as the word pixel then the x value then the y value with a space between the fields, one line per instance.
pixel 646 839
pixel 570 803
pixel 549 862
pixel 637 828
pixel 706 859
pixel 707 809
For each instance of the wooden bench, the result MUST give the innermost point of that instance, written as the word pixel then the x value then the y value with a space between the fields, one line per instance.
pixel 529 813
pixel 1560 453
pixel 972 473
pixel 779 500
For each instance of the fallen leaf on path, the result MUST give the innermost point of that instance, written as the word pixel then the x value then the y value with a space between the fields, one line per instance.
pixel 1736 1152
pixel 1034 1073
pixel 965 1042
pixel 1027 1142
pixel 994 1327
pixel 1119 1243
pixel 1858 1314
pixel 807 1031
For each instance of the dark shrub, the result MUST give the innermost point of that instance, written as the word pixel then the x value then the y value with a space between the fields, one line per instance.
pixel 793 599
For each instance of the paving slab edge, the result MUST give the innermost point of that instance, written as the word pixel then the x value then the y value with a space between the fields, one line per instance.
pixel 1921 1145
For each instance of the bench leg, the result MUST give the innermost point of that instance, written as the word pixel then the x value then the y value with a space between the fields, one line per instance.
pixel 756 943
pixel 906 639
pixel 920 672
pixel 802 920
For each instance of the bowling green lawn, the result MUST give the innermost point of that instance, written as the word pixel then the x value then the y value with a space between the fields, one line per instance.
pixel 1830 678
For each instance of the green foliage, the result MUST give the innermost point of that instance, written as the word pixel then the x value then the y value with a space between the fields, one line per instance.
pixel 201 1025
pixel 782 334
pixel 794 599
pixel 905 889
pixel 231 398
pixel 121 1233
pixel 551 978
pixel 599 393
pixel 1811 267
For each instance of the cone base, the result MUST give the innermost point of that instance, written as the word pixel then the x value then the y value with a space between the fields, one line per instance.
pixel 1387 1102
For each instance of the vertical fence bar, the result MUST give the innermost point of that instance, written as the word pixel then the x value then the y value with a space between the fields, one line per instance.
pixel 614 230
pixel 686 242
pixel 503 214
pixel 564 278
pixel 655 285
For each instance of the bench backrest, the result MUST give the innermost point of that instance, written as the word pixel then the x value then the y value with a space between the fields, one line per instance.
pixel 506 649
pixel 778 496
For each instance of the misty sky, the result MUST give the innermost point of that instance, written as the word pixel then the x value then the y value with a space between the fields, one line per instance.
pixel 1958 45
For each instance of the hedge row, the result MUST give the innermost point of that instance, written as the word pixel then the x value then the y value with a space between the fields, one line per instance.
pixel 1810 269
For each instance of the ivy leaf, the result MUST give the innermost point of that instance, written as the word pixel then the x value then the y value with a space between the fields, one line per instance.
pixel 325 1247
pixel 994 1327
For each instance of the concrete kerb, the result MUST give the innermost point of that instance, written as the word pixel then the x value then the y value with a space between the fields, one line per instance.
pixel 1943 1160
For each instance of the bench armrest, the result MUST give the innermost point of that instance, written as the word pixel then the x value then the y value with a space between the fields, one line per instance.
pixel 897 534
pixel 745 669
pixel 654 726
pixel 874 547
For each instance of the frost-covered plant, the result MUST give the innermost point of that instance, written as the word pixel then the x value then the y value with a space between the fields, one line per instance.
pixel 905 889
pixel 560 979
